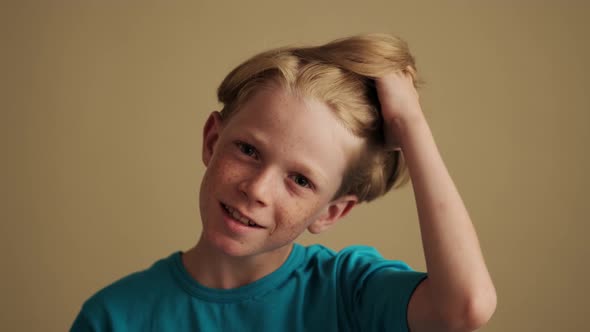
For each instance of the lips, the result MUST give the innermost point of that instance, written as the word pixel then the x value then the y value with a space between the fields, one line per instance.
pixel 236 215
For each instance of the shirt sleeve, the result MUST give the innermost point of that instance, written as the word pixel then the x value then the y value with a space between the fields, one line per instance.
pixel 82 324
pixel 377 291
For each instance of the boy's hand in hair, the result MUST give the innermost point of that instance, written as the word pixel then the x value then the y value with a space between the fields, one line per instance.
pixel 400 104
pixel 458 294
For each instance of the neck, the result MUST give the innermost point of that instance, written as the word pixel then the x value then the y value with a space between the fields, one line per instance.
pixel 215 269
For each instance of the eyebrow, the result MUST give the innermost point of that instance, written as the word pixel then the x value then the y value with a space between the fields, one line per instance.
pixel 300 167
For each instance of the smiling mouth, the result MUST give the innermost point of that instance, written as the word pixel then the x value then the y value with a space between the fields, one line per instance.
pixel 236 215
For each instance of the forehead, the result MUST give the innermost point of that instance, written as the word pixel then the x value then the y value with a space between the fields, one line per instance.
pixel 297 129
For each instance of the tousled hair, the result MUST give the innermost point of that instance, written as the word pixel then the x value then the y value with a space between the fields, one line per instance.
pixel 341 74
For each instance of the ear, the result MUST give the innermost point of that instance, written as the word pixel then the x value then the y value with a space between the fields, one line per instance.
pixel 334 212
pixel 211 132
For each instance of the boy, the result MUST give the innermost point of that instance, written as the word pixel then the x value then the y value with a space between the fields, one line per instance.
pixel 305 134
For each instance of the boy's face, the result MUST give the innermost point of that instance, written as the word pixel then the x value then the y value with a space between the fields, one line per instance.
pixel 272 170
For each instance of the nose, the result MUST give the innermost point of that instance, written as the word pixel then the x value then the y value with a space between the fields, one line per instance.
pixel 258 187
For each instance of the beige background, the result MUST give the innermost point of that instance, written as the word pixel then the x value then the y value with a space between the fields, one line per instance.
pixel 103 104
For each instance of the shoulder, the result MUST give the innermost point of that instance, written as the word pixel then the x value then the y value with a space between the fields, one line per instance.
pixel 374 290
pixel 108 309
pixel 351 266
pixel 351 257
pixel 323 252
pixel 134 287
pixel 362 269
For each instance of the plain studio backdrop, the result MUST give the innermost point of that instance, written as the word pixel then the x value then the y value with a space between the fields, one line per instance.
pixel 103 104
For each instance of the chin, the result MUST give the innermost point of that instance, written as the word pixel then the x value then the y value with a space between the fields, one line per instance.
pixel 227 246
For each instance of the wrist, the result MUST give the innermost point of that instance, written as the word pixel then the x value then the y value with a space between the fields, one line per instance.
pixel 399 130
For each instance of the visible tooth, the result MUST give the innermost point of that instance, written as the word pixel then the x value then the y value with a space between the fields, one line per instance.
pixel 236 215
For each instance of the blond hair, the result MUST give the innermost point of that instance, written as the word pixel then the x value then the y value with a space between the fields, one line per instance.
pixel 341 74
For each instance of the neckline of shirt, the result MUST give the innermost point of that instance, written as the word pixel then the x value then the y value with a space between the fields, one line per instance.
pixel 257 288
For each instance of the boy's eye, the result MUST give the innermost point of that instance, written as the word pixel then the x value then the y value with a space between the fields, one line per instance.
pixel 247 149
pixel 301 181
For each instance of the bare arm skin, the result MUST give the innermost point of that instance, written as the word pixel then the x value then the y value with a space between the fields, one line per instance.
pixel 458 294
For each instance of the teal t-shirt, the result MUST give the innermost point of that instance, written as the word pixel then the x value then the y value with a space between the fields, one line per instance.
pixel 316 289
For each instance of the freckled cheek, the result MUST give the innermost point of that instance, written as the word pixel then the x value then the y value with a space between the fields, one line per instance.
pixel 227 171
pixel 295 215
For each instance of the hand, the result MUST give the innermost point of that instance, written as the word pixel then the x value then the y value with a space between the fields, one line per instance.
pixel 399 104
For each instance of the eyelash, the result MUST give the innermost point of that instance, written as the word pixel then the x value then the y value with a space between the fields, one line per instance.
pixel 308 183
pixel 243 146
pixel 251 151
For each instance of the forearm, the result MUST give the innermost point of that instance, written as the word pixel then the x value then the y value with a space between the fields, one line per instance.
pixel 457 274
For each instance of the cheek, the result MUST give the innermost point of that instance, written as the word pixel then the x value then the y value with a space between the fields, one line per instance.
pixel 298 215
pixel 225 170
pixel 219 174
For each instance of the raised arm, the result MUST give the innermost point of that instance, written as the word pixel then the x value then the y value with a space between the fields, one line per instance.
pixel 458 294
